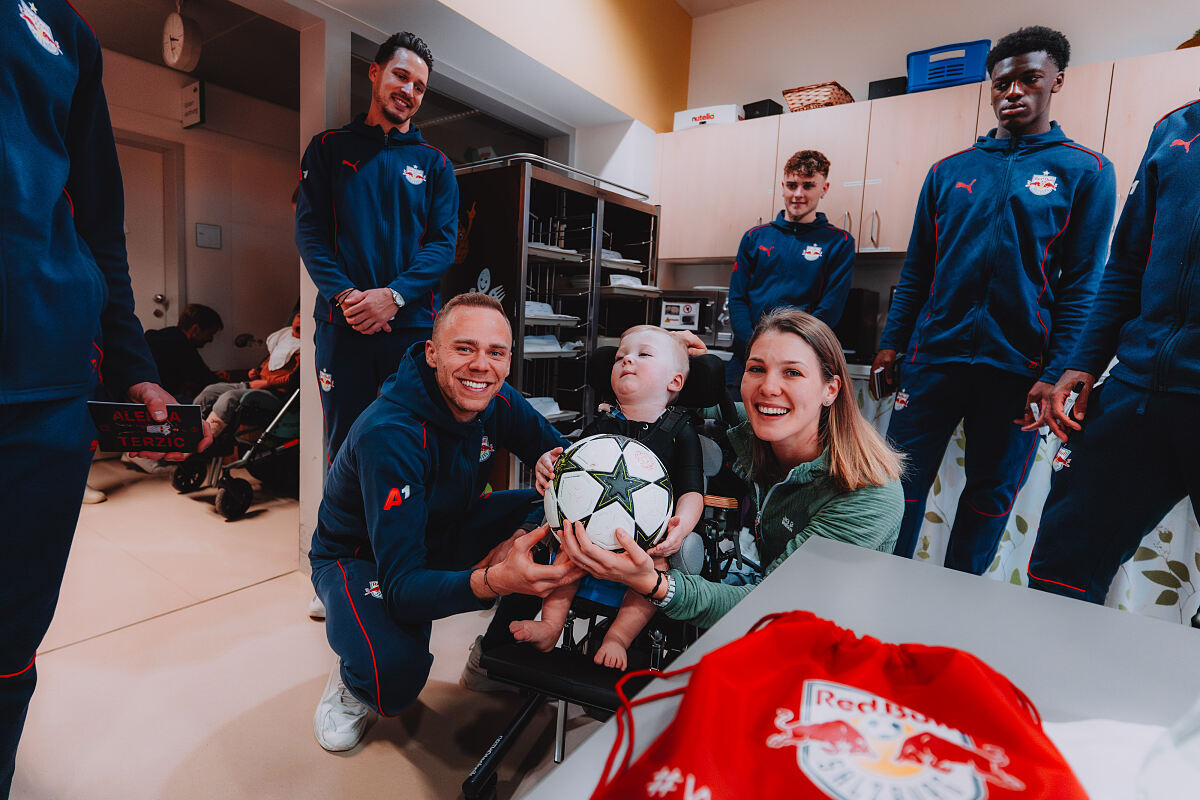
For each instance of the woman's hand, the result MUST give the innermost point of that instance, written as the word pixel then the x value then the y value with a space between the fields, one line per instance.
pixel 634 567
pixel 672 541
pixel 544 469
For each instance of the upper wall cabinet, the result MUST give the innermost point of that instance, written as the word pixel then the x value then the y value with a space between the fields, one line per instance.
pixel 840 132
pixel 1143 91
pixel 909 133
pixel 716 181
pixel 1080 107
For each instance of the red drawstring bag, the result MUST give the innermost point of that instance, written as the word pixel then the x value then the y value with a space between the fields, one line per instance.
pixel 800 708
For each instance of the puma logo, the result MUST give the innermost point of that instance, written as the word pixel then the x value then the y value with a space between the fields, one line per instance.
pixel 352 165
pixel 967 186
pixel 1187 146
pixel 767 250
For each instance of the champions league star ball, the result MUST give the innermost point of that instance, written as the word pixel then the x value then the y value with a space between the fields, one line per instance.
pixel 609 482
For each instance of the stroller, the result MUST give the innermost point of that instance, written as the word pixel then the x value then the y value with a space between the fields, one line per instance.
pixel 268 449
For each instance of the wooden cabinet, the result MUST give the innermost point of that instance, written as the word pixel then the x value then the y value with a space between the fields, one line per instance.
pixel 908 134
pixel 1143 91
pixel 1080 107
pixel 840 132
pixel 717 181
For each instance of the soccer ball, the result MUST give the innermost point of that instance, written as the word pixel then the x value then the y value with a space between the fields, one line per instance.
pixel 609 482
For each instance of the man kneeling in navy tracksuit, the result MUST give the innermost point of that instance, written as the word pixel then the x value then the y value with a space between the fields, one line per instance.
pixel 1002 268
pixel 1134 456
pixel 405 534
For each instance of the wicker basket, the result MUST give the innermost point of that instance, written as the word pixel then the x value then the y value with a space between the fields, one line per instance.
pixel 818 95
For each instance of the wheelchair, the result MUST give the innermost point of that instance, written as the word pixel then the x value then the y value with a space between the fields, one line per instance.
pixel 265 443
pixel 567 674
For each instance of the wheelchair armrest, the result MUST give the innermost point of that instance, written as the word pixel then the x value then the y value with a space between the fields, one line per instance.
pixel 573 677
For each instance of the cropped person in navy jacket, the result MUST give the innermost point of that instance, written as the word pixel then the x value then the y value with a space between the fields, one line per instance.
pixel 405 533
pixel 1129 446
pixel 376 223
pixel 798 259
pixel 1005 256
pixel 66 320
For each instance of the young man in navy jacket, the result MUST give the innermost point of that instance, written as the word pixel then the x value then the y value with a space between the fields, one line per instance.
pixel 66 309
pixel 405 534
pixel 1005 255
pixel 798 260
pixel 1133 457
pixel 376 222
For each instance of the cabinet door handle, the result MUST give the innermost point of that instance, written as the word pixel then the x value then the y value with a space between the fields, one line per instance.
pixel 848 220
pixel 760 220
pixel 875 227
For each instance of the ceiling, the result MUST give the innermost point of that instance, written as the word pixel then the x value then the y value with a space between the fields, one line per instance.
pixel 242 50
pixel 699 8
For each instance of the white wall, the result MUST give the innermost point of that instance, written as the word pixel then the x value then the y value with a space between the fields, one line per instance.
pixel 756 51
pixel 239 170
pixel 622 152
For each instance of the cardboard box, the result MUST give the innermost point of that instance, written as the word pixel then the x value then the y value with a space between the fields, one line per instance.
pixel 709 115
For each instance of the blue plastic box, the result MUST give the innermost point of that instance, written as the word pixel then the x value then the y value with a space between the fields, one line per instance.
pixel 948 65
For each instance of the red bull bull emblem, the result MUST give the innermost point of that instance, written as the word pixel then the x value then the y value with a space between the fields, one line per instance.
pixel 325 379
pixel 373 590
pixel 901 401
pixel 855 745
pixel 1042 185
pixel 485 450
pixel 1062 459
pixel 38 27
pixel 812 252
pixel 414 175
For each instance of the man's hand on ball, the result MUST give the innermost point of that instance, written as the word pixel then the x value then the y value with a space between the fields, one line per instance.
pixel 518 573
pixel 544 469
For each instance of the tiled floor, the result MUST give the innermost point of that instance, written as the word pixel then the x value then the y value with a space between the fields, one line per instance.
pixel 181 664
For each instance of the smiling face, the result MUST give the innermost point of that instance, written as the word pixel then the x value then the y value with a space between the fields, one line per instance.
pixel 397 89
pixel 784 390
pixel 1021 89
pixel 648 368
pixel 470 353
pixel 802 194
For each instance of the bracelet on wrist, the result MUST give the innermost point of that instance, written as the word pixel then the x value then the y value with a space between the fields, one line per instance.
pixel 485 581
pixel 650 594
pixel 669 596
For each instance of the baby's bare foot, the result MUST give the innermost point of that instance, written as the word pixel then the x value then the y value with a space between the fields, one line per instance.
pixel 542 635
pixel 612 655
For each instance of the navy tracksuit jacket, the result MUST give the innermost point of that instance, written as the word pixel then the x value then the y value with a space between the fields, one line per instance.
pixel 404 518
pixel 1004 259
pixel 375 210
pixel 1135 457
pixel 66 317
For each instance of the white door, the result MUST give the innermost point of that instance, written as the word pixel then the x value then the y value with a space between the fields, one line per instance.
pixel 143 177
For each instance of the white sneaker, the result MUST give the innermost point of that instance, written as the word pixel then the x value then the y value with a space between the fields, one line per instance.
pixel 92 496
pixel 341 718
pixel 475 677
pixel 316 609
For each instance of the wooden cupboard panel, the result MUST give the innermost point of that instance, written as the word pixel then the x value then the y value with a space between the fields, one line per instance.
pixel 1080 107
pixel 1144 90
pixel 840 132
pixel 907 134
pixel 716 183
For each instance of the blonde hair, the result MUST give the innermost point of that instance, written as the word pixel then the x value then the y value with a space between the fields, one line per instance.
pixel 676 350
pixel 466 300
pixel 858 455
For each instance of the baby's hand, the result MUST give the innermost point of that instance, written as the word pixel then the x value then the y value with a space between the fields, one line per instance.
pixel 544 470
pixel 673 540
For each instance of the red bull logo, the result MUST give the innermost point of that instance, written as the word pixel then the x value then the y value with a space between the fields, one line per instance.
pixel 485 450
pixel 1042 185
pixel 414 175
pixel 1062 459
pixel 325 380
pixel 38 27
pixel 856 745
pixel 373 590
pixel 812 252
pixel 901 401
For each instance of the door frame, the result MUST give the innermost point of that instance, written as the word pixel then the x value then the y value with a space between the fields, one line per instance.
pixel 174 222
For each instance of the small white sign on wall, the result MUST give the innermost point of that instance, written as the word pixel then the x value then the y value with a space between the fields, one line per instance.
pixel 208 236
pixel 192 104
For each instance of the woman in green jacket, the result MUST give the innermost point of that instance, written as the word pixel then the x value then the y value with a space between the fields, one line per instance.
pixel 817 468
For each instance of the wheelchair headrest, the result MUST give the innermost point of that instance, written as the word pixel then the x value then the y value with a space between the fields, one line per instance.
pixel 704 387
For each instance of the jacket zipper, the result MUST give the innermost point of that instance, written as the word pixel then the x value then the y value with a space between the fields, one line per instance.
pixel 761 507
pixel 1182 291
pixel 1012 157
pixel 386 239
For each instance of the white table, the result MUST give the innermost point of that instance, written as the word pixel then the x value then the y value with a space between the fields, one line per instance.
pixel 1074 660
pixel 1161 580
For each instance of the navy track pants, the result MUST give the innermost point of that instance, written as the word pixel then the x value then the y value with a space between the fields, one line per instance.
pixel 929 404
pixel 45 454
pixel 1134 460
pixel 385 663
pixel 350 369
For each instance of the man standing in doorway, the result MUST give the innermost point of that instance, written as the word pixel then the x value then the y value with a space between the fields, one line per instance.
pixel 68 322
pixel 1005 256
pixel 375 224
pixel 798 260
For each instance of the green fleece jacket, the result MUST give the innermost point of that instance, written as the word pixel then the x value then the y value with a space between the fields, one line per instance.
pixel 806 503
